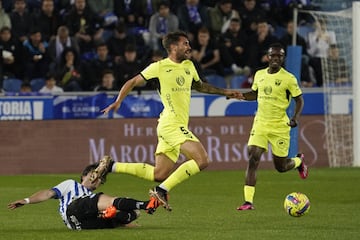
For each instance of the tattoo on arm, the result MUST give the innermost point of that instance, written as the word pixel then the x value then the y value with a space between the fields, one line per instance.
pixel 204 87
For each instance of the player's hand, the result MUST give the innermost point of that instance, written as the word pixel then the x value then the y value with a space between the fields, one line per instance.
pixel 293 123
pixel 16 204
pixel 234 94
pixel 114 106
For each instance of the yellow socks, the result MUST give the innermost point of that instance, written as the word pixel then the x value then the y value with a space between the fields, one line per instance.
pixel 142 170
pixel 249 192
pixel 183 172
pixel 297 161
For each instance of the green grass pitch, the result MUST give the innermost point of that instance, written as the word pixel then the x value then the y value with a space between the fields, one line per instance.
pixel 203 208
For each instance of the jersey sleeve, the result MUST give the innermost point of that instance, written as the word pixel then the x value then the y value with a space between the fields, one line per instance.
pixel 151 71
pixel 196 72
pixel 294 87
pixel 62 188
pixel 254 85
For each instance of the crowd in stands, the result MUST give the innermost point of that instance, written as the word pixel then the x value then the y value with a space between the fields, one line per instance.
pixel 97 45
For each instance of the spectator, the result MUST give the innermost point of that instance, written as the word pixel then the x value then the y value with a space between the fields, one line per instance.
pixel 68 71
pixel 25 88
pixel 259 43
pixel 116 44
pixel 20 20
pixel 61 41
pixel 50 85
pixel 220 17
pixel 250 13
pixel 147 9
pixel 96 66
pixel 84 25
pixel 131 66
pixel 107 82
pixel 47 20
pixel 192 16
pixel 156 55
pixel 36 56
pixel 206 52
pixel 162 22
pixel 337 70
pixel 4 18
pixel 286 40
pixel 12 54
pixel 319 42
pixel 104 9
pixel 233 43
pixel 128 11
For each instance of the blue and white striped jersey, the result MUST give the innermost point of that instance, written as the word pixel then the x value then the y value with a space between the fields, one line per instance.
pixel 68 191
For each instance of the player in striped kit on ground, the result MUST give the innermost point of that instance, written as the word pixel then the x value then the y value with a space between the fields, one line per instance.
pixel 81 208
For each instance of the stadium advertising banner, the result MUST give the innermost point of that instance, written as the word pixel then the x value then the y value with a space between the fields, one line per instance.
pixel 58 146
pixel 133 106
pixel 26 108
pixel 79 107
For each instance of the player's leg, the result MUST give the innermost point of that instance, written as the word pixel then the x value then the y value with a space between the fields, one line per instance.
pixel 255 153
pixel 257 145
pixel 108 206
pixel 142 170
pixel 193 150
pixel 173 139
pixel 284 164
pixel 163 166
pixel 107 164
pixel 85 213
pixel 198 160
pixel 280 143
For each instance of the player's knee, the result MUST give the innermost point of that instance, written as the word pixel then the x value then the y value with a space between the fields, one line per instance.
pixel 203 164
pixel 160 177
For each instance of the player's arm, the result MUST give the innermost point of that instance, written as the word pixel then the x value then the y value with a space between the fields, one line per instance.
pixel 204 87
pixel 138 80
pixel 299 104
pixel 37 197
pixel 251 95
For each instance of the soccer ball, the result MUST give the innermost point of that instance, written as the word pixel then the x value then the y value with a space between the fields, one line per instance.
pixel 297 204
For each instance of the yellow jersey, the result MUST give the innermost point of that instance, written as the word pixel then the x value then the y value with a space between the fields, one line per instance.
pixel 274 94
pixel 175 80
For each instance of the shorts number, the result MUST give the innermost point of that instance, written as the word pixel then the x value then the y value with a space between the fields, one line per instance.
pixel 184 130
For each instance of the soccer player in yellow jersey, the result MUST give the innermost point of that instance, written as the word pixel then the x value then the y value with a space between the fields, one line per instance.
pixel 273 88
pixel 177 76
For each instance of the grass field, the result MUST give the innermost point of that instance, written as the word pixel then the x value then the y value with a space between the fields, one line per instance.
pixel 204 208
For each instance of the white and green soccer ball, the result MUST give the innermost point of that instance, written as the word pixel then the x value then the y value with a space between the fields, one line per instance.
pixel 297 204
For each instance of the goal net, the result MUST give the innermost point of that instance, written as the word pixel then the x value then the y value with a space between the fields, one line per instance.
pixel 337 85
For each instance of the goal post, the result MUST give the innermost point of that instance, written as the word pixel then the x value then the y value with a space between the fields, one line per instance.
pixel 356 83
pixel 339 85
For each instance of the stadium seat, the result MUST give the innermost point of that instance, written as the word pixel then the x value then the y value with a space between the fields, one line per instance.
pixel 237 81
pixel 37 84
pixel 12 85
pixel 216 80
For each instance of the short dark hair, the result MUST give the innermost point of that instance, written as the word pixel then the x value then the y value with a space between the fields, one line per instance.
pixel 172 38
pixel 107 71
pixel 276 45
pixel 163 3
pixel 88 169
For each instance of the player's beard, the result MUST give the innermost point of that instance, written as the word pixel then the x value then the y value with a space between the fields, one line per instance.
pixel 181 56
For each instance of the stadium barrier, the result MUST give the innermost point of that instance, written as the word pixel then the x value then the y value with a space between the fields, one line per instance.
pixel 58 146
